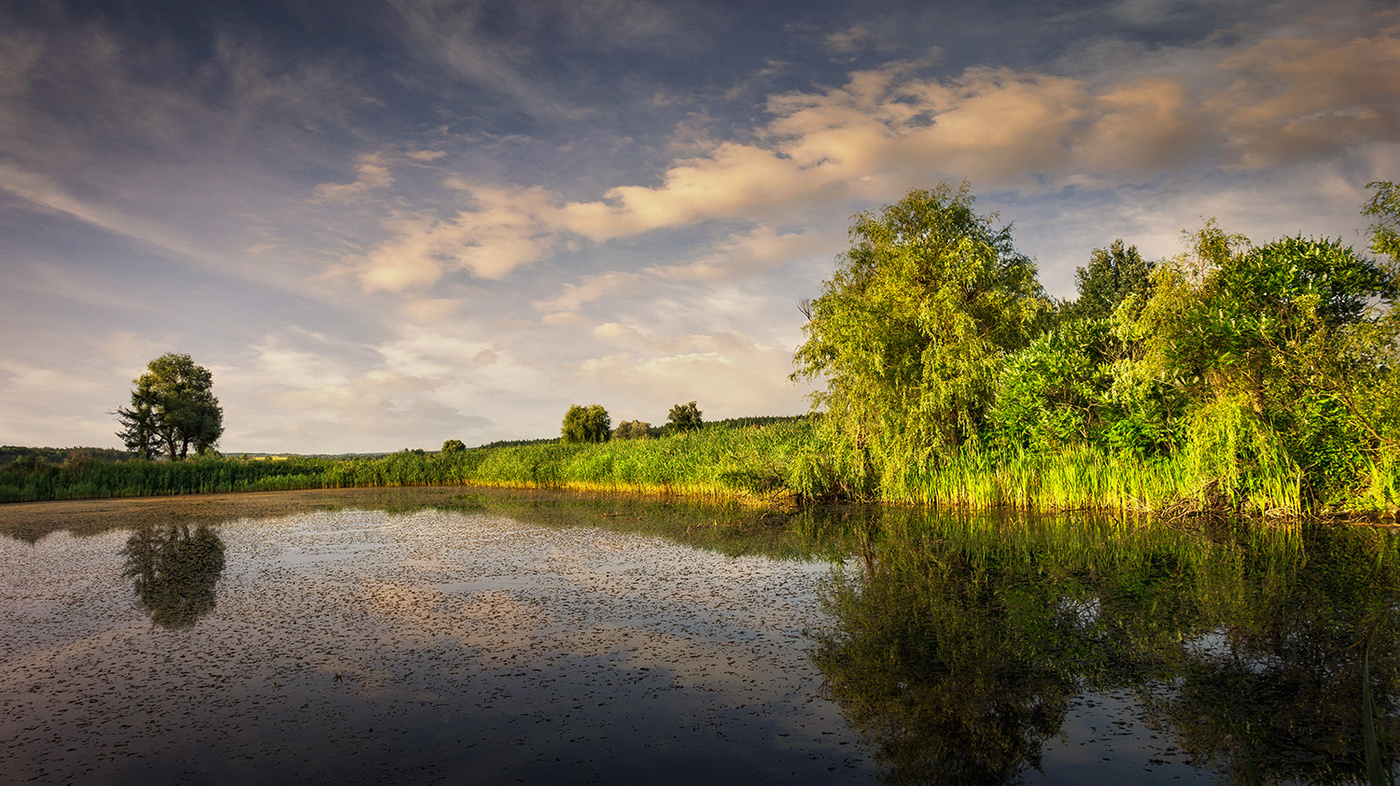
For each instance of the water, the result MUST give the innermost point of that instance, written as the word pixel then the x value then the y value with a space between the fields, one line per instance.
pixel 526 638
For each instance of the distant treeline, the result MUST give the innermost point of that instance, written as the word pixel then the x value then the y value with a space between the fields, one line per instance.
pixel 11 453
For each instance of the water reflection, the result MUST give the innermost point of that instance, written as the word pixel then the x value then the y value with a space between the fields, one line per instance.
pixel 174 571
pixel 961 643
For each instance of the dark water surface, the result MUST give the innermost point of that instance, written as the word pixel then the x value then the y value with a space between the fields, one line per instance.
pixel 425 636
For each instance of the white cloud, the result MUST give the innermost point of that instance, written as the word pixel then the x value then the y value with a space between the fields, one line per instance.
pixel 508 229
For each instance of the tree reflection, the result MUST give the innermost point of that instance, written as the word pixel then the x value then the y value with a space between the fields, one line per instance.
pixel 930 664
pixel 174 571
pixel 959 646
pixel 1273 693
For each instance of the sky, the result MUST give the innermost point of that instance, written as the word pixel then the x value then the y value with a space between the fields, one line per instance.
pixel 382 224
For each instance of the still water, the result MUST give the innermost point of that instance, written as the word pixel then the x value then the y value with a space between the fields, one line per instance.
pixel 428 636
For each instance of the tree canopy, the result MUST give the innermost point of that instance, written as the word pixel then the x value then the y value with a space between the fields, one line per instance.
pixel 1266 375
pixel 632 429
pixel 172 409
pixel 1110 277
pixel 586 424
pixel 910 330
pixel 684 417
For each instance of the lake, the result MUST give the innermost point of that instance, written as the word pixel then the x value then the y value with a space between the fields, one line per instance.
pixel 465 635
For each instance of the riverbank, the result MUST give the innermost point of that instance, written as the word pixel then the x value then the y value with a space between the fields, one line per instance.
pixel 784 462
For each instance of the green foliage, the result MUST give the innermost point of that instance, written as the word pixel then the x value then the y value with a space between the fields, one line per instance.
pixel 684 417
pixel 586 424
pixel 910 331
pixel 40 456
pixel 453 446
pixel 632 429
pixel 1385 206
pixel 1112 276
pixel 172 408
pixel 1046 395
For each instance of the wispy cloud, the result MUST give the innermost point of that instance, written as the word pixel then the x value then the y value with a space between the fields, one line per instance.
pixel 890 128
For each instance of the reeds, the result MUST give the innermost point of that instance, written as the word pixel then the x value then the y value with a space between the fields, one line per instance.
pixel 1228 463
pixel 720 461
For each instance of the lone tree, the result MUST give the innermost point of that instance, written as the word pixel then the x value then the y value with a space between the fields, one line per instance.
pixel 453 446
pixel 684 417
pixel 173 408
pixel 586 424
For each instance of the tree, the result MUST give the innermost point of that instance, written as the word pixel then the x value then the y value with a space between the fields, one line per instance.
pixel 1239 320
pixel 632 429
pixel 910 331
pixel 173 408
pixel 1281 351
pixel 1110 277
pixel 453 446
pixel 1385 206
pixel 586 424
pixel 684 417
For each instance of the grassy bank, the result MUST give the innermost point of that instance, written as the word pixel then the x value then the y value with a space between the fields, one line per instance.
pixel 781 460
pixel 721 460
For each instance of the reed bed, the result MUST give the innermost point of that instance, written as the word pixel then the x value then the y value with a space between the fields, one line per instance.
pixel 783 460
pixel 719 461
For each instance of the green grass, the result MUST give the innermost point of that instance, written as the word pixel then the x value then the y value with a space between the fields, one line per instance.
pixel 1221 468
pixel 731 461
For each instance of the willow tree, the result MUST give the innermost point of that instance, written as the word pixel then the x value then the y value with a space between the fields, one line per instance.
pixel 910 331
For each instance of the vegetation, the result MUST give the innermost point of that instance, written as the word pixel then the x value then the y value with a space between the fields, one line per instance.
pixel 586 424
pixel 1255 378
pixel 40 456
pixel 911 331
pixel 633 429
pixel 1261 379
pixel 684 417
pixel 719 460
pixel 172 408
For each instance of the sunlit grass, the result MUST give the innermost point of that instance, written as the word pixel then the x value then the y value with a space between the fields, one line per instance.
pixel 787 460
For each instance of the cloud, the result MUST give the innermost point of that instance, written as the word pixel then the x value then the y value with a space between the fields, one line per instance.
pixel 590 289
pixel 749 253
pixel 372 171
pixel 845 45
pixel 1294 99
pixel 42 192
pixel 507 229
pixel 1279 103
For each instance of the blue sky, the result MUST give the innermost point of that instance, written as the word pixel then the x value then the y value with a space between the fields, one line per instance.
pixel 382 224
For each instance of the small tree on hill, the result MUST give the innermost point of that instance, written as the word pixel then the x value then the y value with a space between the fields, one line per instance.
pixel 586 424
pixel 453 446
pixel 684 417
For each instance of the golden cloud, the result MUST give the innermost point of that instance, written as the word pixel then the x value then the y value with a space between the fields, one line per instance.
pixel 1276 102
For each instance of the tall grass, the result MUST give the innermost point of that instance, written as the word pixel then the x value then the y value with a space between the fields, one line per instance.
pixel 721 461
pixel 1228 462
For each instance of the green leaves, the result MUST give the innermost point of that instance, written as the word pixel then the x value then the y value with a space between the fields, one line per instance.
pixel 173 408
pixel 586 424
pixel 910 330
pixel 684 417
